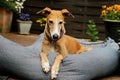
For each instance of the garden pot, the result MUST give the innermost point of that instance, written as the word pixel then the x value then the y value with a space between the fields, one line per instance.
pixel 24 26
pixel 113 29
pixel 5 20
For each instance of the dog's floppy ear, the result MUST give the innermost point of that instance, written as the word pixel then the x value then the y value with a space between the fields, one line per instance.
pixel 46 11
pixel 65 12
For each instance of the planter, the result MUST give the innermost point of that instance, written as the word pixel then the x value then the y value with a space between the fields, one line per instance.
pixel 5 20
pixel 113 29
pixel 24 26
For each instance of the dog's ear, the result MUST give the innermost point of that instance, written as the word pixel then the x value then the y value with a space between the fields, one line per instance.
pixel 65 12
pixel 46 11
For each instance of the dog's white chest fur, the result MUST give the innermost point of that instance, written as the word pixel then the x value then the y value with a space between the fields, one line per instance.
pixel 52 49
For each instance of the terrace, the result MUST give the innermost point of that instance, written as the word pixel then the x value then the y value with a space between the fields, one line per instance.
pixel 83 11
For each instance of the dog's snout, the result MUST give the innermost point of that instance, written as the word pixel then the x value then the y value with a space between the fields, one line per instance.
pixel 55 36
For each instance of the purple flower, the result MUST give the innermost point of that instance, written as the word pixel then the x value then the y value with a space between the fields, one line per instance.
pixel 27 14
pixel 24 17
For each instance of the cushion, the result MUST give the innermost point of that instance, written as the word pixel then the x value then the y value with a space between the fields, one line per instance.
pixel 24 62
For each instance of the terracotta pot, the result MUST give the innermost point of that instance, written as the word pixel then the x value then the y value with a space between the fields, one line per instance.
pixel 5 20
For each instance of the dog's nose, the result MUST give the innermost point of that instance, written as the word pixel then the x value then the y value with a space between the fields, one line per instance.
pixel 55 36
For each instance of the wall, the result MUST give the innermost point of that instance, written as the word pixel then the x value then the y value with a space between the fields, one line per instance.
pixel 83 10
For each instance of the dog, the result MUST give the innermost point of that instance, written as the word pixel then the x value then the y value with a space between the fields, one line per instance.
pixel 56 40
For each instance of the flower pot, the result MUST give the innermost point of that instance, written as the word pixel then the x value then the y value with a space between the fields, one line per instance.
pixel 113 29
pixel 5 20
pixel 24 26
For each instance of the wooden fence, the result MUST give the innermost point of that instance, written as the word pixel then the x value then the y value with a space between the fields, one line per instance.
pixel 83 10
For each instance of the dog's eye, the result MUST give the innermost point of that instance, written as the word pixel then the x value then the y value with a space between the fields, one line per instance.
pixel 50 22
pixel 60 22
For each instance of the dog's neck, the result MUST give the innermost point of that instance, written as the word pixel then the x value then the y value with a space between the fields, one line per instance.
pixel 52 40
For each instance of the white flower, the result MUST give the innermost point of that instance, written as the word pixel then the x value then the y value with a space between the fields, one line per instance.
pixel 18 4
pixel 23 0
pixel 16 7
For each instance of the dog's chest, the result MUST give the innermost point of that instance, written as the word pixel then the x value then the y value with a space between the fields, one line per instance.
pixel 52 48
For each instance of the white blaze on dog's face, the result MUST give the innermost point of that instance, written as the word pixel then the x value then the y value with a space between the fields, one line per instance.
pixel 55 22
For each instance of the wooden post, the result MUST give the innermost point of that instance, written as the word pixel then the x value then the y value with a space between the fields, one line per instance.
pixel 5 20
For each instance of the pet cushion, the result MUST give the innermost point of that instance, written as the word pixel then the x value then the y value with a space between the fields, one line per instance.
pixel 24 62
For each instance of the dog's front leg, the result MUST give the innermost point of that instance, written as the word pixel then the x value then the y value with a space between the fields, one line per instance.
pixel 45 62
pixel 43 56
pixel 55 67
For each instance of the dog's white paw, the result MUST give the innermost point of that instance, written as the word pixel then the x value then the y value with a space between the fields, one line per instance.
pixel 54 73
pixel 46 67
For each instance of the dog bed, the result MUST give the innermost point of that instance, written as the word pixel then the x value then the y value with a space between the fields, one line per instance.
pixel 24 62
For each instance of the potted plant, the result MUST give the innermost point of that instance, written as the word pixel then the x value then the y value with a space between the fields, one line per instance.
pixel 92 31
pixel 111 17
pixel 41 21
pixel 7 7
pixel 24 23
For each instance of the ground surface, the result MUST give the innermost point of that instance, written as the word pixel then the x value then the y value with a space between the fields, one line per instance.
pixel 30 39
pixel 21 39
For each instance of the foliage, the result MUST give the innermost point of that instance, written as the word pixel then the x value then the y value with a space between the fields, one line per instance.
pixel 24 17
pixel 92 31
pixel 42 21
pixel 111 12
pixel 12 5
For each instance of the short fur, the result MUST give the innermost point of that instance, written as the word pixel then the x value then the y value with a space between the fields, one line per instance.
pixel 64 45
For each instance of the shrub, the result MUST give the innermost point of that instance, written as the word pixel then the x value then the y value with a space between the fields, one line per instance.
pixel 92 31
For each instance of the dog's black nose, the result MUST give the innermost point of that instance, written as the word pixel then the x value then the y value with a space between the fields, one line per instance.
pixel 55 36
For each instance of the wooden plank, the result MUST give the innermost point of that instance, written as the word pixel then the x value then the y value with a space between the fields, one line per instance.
pixel 94 4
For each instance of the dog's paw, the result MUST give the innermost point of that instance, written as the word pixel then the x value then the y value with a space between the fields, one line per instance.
pixel 46 67
pixel 54 73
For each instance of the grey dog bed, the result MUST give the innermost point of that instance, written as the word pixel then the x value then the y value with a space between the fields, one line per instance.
pixel 24 62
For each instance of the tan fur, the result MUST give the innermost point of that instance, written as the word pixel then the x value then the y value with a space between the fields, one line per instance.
pixel 65 45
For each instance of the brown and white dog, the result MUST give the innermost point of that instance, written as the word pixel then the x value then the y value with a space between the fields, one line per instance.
pixel 56 40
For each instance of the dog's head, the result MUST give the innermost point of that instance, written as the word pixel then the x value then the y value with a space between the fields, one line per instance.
pixel 55 21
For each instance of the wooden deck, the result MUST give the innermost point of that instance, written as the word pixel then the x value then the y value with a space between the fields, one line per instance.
pixel 24 40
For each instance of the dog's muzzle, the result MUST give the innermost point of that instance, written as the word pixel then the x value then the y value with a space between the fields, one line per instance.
pixel 55 37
